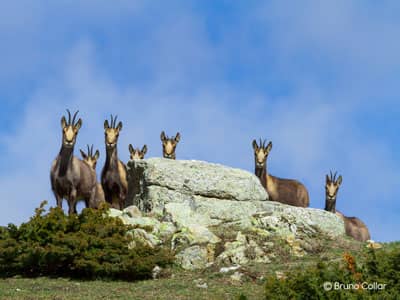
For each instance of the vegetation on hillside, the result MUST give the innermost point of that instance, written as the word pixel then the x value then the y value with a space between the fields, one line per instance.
pixel 89 245
pixel 376 276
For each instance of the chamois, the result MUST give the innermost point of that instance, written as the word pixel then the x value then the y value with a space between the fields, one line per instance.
pixel 113 175
pixel 169 144
pixel 91 160
pixel 354 227
pixel 287 191
pixel 137 153
pixel 71 178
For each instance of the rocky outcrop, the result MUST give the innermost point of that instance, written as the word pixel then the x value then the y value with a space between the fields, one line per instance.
pixel 211 214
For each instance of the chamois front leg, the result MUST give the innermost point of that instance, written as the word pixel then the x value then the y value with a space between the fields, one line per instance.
pixel 121 200
pixel 91 202
pixel 72 202
pixel 59 200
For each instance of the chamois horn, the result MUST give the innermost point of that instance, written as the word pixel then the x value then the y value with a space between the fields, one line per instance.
pixel 69 117
pixel 73 119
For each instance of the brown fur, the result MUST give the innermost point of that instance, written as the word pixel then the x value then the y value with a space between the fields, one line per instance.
pixel 70 177
pixel 113 175
pixel 169 144
pixel 287 191
pixel 354 227
pixel 91 161
pixel 137 153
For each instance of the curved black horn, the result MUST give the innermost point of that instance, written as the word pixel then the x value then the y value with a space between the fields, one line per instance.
pixel 88 150
pixel 334 176
pixel 111 121
pixel 115 120
pixel 264 141
pixel 73 119
pixel 91 150
pixel 69 117
pixel 330 178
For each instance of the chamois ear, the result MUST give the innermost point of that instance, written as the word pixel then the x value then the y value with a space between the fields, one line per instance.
pixel 144 149
pixel 339 181
pixel 106 125
pixel 255 146
pixel 97 155
pixel 162 136
pixel 78 124
pixel 269 147
pixel 131 148
pixel 119 126
pixel 84 156
pixel 177 137
pixel 63 122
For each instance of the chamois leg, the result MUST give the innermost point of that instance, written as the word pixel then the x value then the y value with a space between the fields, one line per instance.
pixel 59 200
pixel 72 202
pixel 121 200
pixel 91 202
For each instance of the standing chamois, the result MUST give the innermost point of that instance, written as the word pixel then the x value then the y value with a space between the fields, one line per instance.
pixel 137 153
pixel 354 226
pixel 285 191
pixel 113 175
pixel 91 160
pixel 71 178
pixel 169 145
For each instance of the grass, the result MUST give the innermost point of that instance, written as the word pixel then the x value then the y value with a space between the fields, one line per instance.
pixel 175 284
pixel 181 285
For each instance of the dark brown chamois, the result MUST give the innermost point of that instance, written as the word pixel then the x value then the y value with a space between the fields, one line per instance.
pixel 70 177
pixel 169 144
pixel 137 153
pixel 91 160
pixel 287 191
pixel 113 175
pixel 354 227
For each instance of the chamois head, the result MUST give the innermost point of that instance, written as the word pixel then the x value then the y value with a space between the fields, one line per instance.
pixel 261 153
pixel 112 132
pixel 89 158
pixel 137 153
pixel 331 189
pixel 70 129
pixel 169 144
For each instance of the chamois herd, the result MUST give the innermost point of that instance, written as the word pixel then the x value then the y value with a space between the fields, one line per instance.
pixel 75 179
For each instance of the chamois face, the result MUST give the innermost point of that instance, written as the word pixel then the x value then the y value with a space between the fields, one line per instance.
pixel 169 144
pixel 261 153
pixel 136 153
pixel 89 158
pixel 112 132
pixel 70 129
pixel 332 186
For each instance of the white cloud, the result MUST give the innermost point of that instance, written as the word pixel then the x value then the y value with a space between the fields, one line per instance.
pixel 312 126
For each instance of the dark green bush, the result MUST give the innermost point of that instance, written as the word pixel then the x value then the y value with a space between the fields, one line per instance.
pixel 381 266
pixel 90 245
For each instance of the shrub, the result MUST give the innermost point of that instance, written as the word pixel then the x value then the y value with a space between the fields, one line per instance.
pixel 90 245
pixel 381 266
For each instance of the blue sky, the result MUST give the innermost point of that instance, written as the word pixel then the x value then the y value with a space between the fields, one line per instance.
pixel 319 79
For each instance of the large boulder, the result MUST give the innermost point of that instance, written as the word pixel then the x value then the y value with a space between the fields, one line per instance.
pixel 209 213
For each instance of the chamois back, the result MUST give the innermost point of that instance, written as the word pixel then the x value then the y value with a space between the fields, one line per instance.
pixel 287 191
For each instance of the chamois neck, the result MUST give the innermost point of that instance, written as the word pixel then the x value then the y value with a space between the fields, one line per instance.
pixel 261 173
pixel 111 156
pixel 65 157
pixel 330 204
